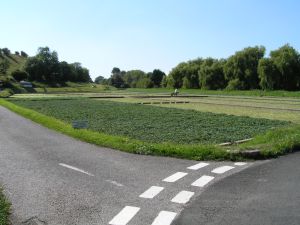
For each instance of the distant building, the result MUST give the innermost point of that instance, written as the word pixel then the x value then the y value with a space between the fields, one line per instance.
pixel 26 84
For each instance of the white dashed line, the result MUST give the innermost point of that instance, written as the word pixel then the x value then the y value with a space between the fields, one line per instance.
pixel 151 192
pixel 124 216
pixel 175 177
pixel 222 169
pixel 164 218
pixel 198 166
pixel 183 197
pixel 76 169
pixel 202 181
pixel 240 164
pixel 115 183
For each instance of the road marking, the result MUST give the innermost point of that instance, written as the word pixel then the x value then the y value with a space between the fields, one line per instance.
pixel 76 169
pixel 175 177
pixel 164 218
pixel 125 215
pixel 240 164
pixel 115 183
pixel 222 169
pixel 198 166
pixel 202 181
pixel 183 197
pixel 151 192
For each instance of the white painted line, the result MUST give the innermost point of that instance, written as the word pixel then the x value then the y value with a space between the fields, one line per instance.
pixel 240 164
pixel 124 216
pixel 151 192
pixel 175 177
pixel 222 169
pixel 198 166
pixel 164 218
pixel 202 181
pixel 183 197
pixel 76 169
pixel 115 183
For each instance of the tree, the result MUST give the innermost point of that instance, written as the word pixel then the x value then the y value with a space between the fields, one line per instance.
pixel 211 75
pixel 268 74
pixel 6 51
pixel 132 77
pixel 24 54
pixel 100 80
pixel 19 75
pixel 189 70
pixel 44 66
pixel 17 53
pixel 116 78
pixel 241 68
pixel 144 83
pixel 156 77
pixel 164 82
pixel 287 62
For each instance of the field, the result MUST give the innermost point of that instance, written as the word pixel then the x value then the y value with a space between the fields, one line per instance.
pixel 152 124
pixel 149 121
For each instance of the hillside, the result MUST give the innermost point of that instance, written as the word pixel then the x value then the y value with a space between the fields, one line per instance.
pixel 15 62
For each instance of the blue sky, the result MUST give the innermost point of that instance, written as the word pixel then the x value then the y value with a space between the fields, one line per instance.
pixel 146 34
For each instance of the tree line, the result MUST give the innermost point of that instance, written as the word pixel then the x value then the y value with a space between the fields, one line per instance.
pixel 44 67
pixel 245 70
pixel 133 78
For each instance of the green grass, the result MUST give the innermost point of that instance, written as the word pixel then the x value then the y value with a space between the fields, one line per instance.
pixel 4 209
pixel 258 93
pixel 152 124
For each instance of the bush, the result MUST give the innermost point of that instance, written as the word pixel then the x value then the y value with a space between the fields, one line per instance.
pixel 24 54
pixel 19 75
pixel 6 93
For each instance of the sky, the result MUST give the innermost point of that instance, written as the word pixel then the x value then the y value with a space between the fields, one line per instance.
pixel 146 34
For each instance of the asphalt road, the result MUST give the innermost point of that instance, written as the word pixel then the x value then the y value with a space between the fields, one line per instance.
pixel 54 179
pixel 267 194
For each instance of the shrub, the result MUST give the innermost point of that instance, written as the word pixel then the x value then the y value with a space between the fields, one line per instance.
pixel 19 75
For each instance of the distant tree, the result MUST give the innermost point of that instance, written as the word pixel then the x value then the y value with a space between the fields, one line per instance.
pixel 287 62
pixel 44 66
pixel 100 80
pixel 241 68
pixel 156 77
pixel 268 74
pixel 6 51
pixel 116 70
pixel 211 75
pixel 67 72
pixel 132 77
pixel 19 75
pixel 189 70
pixel 164 82
pixel 117 78
pixel 4 65
pixel 170 81
pixel 24 54
pixel 17 53
pixel 144 83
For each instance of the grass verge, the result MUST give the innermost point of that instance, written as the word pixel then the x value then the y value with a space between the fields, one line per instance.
pixel 275 142
pixel 4 209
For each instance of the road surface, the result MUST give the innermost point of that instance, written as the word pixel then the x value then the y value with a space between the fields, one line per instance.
pixel 266 194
